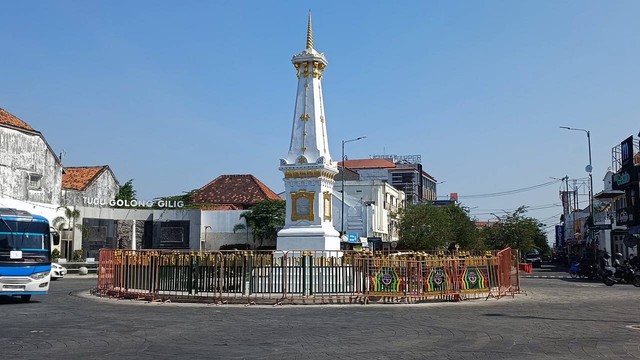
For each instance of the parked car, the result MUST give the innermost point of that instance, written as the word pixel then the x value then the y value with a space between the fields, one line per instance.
pixel 57 271
pixel 534 259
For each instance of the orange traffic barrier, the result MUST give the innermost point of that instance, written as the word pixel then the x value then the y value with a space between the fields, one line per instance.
pixel 526 268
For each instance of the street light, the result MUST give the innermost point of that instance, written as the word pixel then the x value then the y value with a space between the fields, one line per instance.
pixel 589 169
pixel 205 237
pixel 342 183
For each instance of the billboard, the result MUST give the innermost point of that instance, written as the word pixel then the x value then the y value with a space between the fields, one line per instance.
pixel 626 148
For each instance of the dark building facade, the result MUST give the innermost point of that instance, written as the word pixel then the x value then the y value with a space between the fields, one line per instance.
pixel 627 206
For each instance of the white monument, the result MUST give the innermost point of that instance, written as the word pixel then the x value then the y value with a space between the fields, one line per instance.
pixel 308 168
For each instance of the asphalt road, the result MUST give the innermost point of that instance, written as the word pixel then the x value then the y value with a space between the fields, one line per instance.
pixel 557 319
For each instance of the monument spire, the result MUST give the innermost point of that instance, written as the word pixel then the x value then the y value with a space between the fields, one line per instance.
pixel 309 141
pixel 308 169
pixel 309 33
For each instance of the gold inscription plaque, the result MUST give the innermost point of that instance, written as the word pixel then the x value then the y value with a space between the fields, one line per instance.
pixel 327 205
pixel 302 205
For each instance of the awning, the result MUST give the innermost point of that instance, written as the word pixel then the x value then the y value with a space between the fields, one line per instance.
pixel 609 194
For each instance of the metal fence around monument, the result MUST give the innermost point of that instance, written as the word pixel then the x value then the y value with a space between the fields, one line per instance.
pixel 273 277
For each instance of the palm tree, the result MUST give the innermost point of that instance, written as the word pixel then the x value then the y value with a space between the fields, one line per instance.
pixel 265 218
pixel 248 220
pixel 70 216
pixel 59 223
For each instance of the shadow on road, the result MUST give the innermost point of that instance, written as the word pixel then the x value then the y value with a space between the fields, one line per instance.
pixel 552 268
pixel 531 317
pixel 13 300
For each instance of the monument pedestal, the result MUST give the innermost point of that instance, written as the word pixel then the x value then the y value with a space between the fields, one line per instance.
pixel 308 238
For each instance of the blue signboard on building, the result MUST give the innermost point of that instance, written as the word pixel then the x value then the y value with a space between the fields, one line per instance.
pixel 559 236
pixel 353 238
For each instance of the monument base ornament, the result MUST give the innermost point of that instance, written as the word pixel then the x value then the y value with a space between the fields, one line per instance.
pixel 308 169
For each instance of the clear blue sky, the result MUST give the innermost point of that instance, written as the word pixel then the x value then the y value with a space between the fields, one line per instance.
pixel 174 94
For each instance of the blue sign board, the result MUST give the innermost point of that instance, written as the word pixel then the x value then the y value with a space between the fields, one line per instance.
pixel 353 238
pixel 559 236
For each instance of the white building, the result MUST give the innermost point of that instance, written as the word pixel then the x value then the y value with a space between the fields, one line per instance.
pixel 30 171
pixel 371 206
pixel 82 185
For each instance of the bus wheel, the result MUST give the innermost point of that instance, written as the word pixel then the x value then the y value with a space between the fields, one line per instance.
pixel 25 298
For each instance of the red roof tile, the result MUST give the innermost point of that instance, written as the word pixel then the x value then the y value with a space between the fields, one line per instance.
pixel 484 224
pixel 7 118
pixel 78 178
pixel 219 207
pixel 368 164
pixel 234 190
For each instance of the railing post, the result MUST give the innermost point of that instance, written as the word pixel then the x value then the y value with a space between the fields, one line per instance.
pixel 247 273
pixel 303 263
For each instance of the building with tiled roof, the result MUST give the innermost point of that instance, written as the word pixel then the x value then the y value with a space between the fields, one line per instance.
pixel 368 164
pixel 484 224
pixel 30 171
pixel 233 192
pixel 82 185
pixel 10 120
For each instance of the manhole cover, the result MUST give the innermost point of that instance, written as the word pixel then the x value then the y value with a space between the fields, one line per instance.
pixel 634 327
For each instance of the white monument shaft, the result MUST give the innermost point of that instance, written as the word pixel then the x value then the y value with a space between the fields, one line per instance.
pixel 308 168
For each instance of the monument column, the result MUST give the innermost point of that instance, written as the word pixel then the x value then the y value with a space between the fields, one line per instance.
pixel 308 169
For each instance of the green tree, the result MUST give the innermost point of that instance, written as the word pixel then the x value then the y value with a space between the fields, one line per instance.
pixel 464 231
pixel 244 226
pixel 540 241
pixel 186 198
pixel 429 227
pixel 514 230
pixel 126 192
pixel 69 221
pixel 424 227
pixel 266 218
pixel 59 223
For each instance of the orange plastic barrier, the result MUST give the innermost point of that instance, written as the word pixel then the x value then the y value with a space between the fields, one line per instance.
pixel 526 268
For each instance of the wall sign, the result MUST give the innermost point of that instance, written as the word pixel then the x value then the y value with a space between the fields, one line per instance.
pixel 626 148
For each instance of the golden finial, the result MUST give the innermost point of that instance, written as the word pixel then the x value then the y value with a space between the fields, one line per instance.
pixel 309 33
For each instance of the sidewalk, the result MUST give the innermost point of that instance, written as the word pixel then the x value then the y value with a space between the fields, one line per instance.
pixel 76 276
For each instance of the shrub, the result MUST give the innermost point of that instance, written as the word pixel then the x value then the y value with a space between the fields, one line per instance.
pixel 77 255
pixel 55 255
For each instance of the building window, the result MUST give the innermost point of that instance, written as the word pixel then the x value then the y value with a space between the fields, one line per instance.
pixel 35 181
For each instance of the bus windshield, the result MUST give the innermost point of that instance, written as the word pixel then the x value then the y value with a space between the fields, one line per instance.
pixel 24 236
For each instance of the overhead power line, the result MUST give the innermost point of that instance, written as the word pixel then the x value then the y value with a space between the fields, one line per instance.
pixel 527 208
pixel 509 192
pixel 507 212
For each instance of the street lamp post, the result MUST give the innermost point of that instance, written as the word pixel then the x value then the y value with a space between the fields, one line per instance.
pixel 589 170
pixel 205 237
pixel 342 183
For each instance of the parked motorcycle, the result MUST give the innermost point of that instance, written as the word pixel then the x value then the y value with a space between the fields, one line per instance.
pixel 588 271
pixel 583 270
pixel 622 274
pixel 574 270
